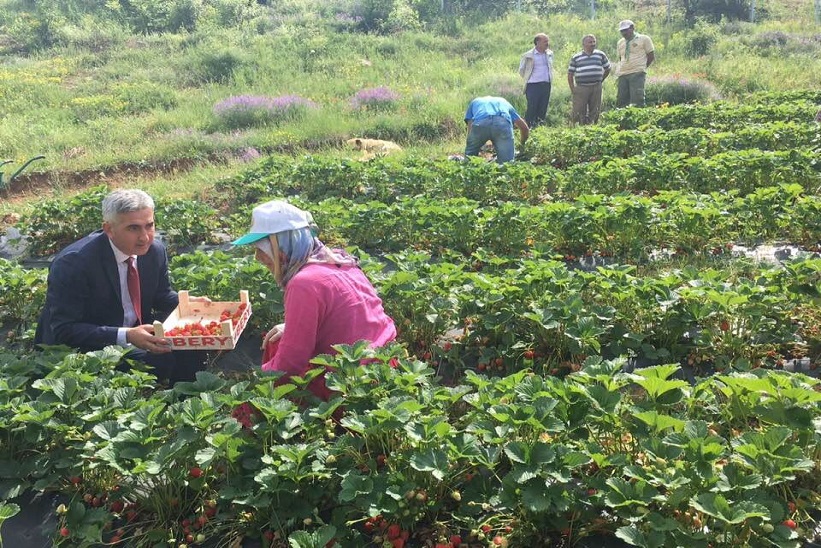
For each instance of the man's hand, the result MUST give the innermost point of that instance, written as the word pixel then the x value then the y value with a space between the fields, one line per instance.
pixel 199 299
pixel 143 337
pixel 273 335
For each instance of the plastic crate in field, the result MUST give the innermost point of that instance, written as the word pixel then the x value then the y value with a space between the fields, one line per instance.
pixel 215 325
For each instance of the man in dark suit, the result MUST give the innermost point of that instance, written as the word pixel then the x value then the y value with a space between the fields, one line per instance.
pixel 108 288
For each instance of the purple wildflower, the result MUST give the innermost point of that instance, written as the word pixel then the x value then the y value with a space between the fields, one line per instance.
pixel 381 98
pixel 249 154
pixel 252 110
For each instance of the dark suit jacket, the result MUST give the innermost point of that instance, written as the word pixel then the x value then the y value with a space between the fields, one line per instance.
pixel 83 304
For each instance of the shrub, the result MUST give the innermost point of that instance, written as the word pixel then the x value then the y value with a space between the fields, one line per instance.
pixel 150 16
pixel 92 33
pixel 215 67
pixel 33 31
pixel 402 17
pixel 695 42
pixel 242 111
pixel 676 90
pixel 376 99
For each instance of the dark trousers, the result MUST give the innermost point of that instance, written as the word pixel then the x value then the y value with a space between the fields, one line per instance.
pixel 180 365
pixel 538 99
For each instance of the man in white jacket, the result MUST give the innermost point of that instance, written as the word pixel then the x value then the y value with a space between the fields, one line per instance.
pixel 536 68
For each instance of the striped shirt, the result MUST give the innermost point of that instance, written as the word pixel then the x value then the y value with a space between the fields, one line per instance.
pixel 589 69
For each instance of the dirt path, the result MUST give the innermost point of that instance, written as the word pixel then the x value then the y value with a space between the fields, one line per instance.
pixel 36 184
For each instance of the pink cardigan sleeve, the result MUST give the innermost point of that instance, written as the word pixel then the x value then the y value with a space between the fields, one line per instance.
pixel 304 310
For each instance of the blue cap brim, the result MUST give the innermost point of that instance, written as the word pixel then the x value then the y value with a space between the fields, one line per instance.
pixel 249 238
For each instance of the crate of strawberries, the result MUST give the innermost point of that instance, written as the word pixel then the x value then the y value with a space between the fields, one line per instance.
pixel 203 325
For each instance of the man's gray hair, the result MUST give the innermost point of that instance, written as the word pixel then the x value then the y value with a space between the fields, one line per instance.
pixel 586 36
pixel 125 201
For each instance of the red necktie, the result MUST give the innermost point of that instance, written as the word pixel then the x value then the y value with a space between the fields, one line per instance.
pixel 133 279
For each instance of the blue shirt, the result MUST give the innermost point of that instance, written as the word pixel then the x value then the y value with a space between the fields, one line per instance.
pixel 485 107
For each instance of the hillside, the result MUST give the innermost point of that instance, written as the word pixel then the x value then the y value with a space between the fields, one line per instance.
pixel 104 103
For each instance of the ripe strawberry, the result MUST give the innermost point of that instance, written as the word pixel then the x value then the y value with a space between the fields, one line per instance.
pixel 791 507
pixel 455 541
pixel 75 480
pixel 528 354
pixel 117 506
pixel 789 523
pixel 394 530
pixel 486 528
pixel 64 532
pixel 195 472
pixel 724 326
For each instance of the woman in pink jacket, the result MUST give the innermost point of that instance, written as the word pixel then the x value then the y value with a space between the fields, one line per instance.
pixel 328 299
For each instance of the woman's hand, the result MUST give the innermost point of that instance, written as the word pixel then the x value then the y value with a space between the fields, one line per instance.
pixel 273 335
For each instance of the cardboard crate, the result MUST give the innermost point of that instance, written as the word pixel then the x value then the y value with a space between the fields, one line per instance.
pixel 204 312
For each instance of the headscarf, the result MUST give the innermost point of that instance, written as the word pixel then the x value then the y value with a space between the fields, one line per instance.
pixel 301 247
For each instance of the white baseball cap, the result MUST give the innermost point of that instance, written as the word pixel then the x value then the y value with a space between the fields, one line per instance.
pixel 626 24
pixel 272 218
